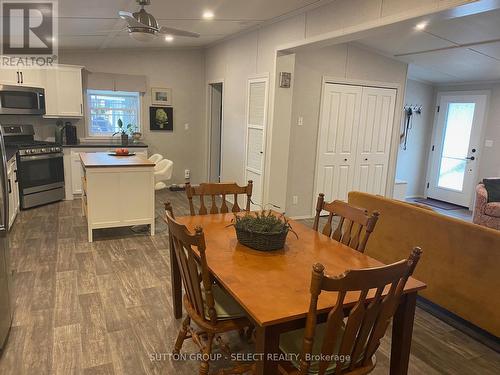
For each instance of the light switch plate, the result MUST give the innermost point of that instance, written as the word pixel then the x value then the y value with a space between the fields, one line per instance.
pixel 300 122
pixel 488 143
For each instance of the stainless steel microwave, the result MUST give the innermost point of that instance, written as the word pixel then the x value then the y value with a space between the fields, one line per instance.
pixel 19 100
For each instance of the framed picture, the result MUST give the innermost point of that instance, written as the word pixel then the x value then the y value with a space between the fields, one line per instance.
pixel 285 79
pixel 161 97
pixel 161 118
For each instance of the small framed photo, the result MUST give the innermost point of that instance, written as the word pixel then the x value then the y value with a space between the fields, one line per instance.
pixel 285 79
pixel 161 118
pixel 161 97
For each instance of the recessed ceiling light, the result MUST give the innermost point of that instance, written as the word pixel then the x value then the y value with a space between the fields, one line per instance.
pixel 208 15
pixel 421 25
pixel 169 38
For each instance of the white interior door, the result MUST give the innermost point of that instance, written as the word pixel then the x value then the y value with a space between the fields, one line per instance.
pixel 374 140
pixel 256 136
pixel 337 140
pixel 455 150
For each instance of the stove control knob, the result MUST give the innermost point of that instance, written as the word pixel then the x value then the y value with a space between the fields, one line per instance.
pixel 28 151
pixel 43 150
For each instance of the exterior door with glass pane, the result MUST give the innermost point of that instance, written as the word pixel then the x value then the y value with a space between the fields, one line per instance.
pixel 456 147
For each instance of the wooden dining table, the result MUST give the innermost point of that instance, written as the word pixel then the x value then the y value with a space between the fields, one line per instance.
pixel 273 287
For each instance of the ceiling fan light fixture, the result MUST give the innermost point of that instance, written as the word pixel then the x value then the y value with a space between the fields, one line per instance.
pixel 145 18
pixel 142 35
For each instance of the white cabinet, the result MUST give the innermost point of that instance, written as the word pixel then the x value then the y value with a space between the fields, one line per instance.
pixel 76 173
pixel 64 92
pixel 107 187
pixel 22 77
pixel 9 77
pixel 73 170
pixel 13 190
pixel 32 77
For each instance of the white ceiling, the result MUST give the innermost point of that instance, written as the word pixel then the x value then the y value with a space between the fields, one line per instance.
pixel 91 24
pixel 478 61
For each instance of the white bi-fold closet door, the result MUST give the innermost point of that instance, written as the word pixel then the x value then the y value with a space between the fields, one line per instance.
pixel 354 141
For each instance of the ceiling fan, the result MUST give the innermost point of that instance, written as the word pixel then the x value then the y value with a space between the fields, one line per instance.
pixel 143 27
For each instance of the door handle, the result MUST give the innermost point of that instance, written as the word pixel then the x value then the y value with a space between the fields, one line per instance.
pixel 10 187
pixel 471 158
pixel 22 78
pixel 17 177
pixel 18 79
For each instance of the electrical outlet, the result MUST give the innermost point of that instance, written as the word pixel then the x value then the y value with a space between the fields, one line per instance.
pixel 301 121
pixel 186 126
pixel 295 199
pixel 488 143
pixel 187 173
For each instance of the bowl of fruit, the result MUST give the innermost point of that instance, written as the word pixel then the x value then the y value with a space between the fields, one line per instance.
pixel 122 152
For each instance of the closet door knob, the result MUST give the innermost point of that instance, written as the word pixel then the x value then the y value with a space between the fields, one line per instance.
pixel 345 159
pixel 366 159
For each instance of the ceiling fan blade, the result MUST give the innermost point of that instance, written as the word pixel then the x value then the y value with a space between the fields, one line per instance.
pixel 111 31
pixel 131 21
pixel 177 32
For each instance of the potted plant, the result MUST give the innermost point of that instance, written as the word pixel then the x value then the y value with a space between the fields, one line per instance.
pixel 263 230
pixel 124 131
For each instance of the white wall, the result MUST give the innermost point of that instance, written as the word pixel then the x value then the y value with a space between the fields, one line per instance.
pixel 345 62
pixel 234 60
pixel 412 162
pixel 181 70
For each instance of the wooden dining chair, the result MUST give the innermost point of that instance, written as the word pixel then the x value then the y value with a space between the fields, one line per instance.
pixel 214 190
pixel 347 344
pixel 354 227
pixel 206 303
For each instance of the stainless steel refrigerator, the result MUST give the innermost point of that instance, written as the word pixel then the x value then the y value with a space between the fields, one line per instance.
pixel 5 273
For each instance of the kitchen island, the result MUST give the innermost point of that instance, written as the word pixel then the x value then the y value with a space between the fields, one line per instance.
pixel 118 191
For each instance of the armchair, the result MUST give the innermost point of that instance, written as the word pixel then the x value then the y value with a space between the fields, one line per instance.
pixel 486 214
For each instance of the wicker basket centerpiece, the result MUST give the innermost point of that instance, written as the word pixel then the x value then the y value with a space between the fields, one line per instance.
pixel 264 231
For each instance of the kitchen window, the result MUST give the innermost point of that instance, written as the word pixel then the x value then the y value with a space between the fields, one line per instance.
pixel 105 108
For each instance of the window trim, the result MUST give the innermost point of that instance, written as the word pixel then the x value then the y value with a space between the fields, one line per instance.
pixel 88 118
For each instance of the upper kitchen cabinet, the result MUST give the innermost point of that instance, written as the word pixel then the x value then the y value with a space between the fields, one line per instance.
pixel 22 77
pixel 64 92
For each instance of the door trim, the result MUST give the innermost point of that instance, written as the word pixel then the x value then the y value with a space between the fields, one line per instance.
pixel 208 132
pixel 430 160
pixel 394 144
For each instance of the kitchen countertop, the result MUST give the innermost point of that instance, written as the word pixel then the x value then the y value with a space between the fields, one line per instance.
pixel 103 160
pixel 105 145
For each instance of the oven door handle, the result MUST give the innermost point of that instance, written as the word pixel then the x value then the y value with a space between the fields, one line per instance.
pixel 41 157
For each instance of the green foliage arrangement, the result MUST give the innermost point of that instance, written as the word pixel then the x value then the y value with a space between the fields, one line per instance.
pixel 128 130
pixel 264 222
pixel 264 230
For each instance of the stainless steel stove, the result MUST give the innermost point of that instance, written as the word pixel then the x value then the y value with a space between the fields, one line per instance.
pixel 39 164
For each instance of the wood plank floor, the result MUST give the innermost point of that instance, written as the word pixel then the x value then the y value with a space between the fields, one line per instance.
pixel 105 307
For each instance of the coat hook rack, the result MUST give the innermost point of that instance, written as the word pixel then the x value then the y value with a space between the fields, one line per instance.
pixel 415 108
pixel 410 110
